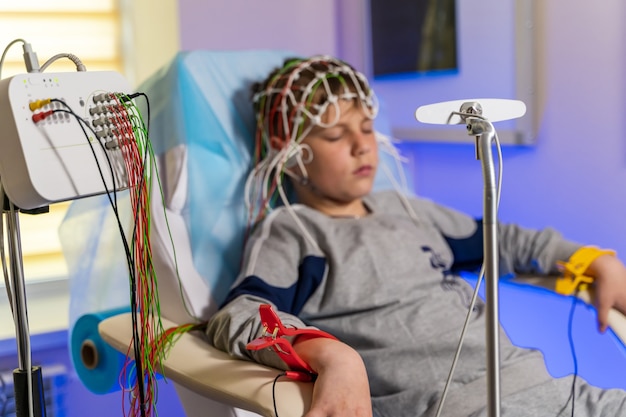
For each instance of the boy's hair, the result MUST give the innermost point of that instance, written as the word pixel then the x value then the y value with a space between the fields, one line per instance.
pixel 294 97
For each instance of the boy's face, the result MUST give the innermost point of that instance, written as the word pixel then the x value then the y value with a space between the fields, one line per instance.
pixel 344 160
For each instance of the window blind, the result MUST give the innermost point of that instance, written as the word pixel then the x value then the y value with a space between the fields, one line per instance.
pixel 92 31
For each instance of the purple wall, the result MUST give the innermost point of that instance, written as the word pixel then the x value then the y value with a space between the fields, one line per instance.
pixel 305 26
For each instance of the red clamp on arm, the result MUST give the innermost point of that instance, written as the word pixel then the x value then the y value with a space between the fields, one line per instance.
pixel 273 336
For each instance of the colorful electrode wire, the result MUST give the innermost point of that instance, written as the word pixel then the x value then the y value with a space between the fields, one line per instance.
pixel 132 137
pixel 126 138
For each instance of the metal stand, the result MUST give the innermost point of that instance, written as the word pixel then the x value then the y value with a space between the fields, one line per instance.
pixel 484 132
pixel 28 383
pixel 471 113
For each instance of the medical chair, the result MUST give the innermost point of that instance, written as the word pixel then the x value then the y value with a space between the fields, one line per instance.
pixel 201 127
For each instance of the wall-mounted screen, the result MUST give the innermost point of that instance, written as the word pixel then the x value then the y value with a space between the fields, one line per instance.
pixel 413 36
pixel 492 49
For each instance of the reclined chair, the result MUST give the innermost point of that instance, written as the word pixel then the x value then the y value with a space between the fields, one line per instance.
pixel 201 127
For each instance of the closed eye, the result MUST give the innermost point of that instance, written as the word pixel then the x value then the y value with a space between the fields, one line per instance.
pixel 367 126
pixel 333 135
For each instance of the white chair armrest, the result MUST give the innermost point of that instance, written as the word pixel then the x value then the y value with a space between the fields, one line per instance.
pixel 196 365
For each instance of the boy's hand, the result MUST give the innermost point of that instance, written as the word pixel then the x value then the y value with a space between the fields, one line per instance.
pixel 610 287
pixel 341 388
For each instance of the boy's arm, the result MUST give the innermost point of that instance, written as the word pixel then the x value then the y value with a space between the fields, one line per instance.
pixel 609 275
pixel 238 323
pixel 539 251
pixel 341 388
pixel 607 292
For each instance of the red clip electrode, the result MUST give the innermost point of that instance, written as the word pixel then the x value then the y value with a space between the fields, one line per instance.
pixel 273 336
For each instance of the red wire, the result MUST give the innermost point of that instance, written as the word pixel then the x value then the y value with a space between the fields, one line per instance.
pixel 145 285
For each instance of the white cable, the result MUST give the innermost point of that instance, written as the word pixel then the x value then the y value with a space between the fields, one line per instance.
pixel 461 339
pixel 79 65
pixel 6 49
pixel 475 294
pixel 295 217
pixel 251 187
pixel 402 187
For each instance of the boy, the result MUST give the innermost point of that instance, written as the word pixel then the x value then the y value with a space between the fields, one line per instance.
pixel 376 270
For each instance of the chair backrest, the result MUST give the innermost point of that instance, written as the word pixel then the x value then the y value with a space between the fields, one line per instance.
pixel 202 128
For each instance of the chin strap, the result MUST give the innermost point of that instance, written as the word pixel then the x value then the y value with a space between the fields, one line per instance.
pixel 275 336
pixel 574 269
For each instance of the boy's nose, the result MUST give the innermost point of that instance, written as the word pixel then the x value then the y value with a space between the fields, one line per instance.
pixel 362 144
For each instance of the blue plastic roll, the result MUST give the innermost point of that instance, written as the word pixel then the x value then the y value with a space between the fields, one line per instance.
pixel 97 364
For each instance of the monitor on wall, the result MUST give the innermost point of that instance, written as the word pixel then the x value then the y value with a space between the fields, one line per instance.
pixel 419 54
pixel 412 36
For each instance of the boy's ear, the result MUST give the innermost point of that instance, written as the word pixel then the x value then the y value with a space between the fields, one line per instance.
pixel 277 143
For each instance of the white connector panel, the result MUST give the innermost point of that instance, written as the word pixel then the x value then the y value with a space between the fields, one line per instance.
pixel 49 159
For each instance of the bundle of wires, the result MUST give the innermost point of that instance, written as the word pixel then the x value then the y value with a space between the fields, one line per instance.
pixel 132 137
pixel 150 341
pixel 128 139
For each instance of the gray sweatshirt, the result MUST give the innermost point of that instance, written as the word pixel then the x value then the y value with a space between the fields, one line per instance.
pixel 387 285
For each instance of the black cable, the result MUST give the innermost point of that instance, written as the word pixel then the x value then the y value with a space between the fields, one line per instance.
pixel 106 189
pixel 82 122
pixel 136 338
pixel 135 95
pixel 274 391
pixel 570 337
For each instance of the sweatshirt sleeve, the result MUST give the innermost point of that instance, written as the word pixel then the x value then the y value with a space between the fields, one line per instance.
pixel 521 250
pixel 238 323
pixel 271 273
pixel 528 251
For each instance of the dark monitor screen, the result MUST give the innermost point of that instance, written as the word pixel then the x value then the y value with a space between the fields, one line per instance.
pixel 413 36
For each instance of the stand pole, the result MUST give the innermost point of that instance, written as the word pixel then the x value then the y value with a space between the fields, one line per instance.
pixel 28 382
pixel 484 132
